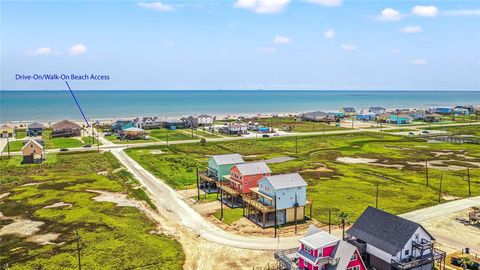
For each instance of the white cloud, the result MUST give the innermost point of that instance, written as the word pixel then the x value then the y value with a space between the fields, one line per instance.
pixel 262 6
pixel 158 6
pixel 281 40
pixel 396 51
pixel 40 51
pixel 330 33
pixel 77 49
pixel 462 12
pixel 425 11
pixel 418 62
pixel 348 47
pixel 327 3
pixel 411 29
pixel 389 14
pixel 267 50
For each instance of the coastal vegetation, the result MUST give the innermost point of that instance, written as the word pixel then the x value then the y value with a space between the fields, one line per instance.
pixel 44 206
pixel 342 171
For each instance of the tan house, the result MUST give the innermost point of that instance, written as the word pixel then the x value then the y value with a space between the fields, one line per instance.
pixel 66 128
pixel 7 131
pixel 32 152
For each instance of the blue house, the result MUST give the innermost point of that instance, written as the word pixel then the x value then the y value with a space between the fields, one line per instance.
pixel 400 119
pixel 282 196
pixel 443 110
pixel 34 129
pixel 366 116
pixel 120 125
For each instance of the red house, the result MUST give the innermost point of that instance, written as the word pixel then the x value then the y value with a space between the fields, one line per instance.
pixel 322 251
pixel 242 178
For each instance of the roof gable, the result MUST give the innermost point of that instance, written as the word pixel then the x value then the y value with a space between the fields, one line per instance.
pixel 253 168
pixel 34 142
pixel 282 181
pixel 65 124
pixel 383 230
pixel 227 159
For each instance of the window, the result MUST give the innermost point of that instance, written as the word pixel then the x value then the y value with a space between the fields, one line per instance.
pixel 307 248
pixel 407 252
pixel 354 257
pixel 354 268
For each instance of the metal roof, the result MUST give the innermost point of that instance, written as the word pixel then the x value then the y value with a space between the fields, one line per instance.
pixel 319 239
pixel 228 159
pixel 282 181
pixel 344 252
pixel 253 168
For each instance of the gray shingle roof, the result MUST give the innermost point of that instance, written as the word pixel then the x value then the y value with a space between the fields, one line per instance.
pixel 348 109
pixel 228 159
pixel 35 125
pixel 317 113
pixel 282 181
pixel 253 168
pixel 383 230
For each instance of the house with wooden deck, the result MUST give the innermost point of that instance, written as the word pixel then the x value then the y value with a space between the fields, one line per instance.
pixel 321 251
pixel 34 129
pixel 279 199
pixel 388 242
pixel 32 152
pixel 66 128
pixel 242 178
pixel 133 133
pixel 218 167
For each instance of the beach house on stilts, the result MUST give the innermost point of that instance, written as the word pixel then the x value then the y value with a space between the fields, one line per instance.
pixel 279 199
pixel 218 167
pixel 242 178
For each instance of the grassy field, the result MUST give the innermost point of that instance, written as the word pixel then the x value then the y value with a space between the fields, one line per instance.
pixel 112 237
pixel 460 130
pixel 296 126
pixel 398 167
pixel 173 135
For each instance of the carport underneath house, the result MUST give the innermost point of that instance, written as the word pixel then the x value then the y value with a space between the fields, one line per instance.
pixel 266 215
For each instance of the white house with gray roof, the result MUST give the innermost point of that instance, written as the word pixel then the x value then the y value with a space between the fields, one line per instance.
pixel 390 242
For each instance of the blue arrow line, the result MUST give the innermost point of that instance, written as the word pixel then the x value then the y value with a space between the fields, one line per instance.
pixel 78 105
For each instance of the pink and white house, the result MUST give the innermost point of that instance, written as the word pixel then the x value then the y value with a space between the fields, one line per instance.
pixel 320 250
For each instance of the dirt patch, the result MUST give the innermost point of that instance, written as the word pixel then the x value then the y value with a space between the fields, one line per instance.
pixel 447 197
pixel 157 152
pixel 396 166
pixel 45 239
pixel 443 165
pixel 21 227
pixel 33 184
pixel 118 198
pixel 207 208
pixel 58 204
pixel 321 168
pixel 4 195
pixel 353 160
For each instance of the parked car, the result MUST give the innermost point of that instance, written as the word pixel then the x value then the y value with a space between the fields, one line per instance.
pixel 411 133
pixel 425 132
pixel 266 136
pixel 63 149
pixel 87 145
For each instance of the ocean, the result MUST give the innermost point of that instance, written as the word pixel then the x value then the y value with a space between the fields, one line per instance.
pixel 98 105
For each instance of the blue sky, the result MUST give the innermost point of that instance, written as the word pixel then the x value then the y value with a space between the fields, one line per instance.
pixel 244 44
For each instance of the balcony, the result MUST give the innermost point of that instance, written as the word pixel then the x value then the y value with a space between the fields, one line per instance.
pixel 413 262
pixel 206 177
pixel 288 259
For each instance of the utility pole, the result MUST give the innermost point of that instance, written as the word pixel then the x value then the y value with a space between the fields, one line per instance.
pixel 79 247
pixel 198 184
pixel 426 171
pixel 468 175
pixel 329 221
pixel 8 146
pixel 376 197
pixel 296 146
pixel 167 138
pixel 440 190
pixel 275 209
pixel 221 203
